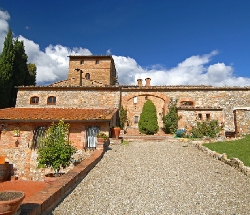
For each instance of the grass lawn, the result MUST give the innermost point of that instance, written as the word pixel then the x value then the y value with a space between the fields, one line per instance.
pixel 234 149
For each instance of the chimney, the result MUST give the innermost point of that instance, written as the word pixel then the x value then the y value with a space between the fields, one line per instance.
pixel 148 82
pixel 139 82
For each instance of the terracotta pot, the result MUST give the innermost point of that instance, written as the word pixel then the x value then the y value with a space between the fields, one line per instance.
pixel 2 159
pixel 10 201
pixel 100 143
pixel 50 177
pixel 117 132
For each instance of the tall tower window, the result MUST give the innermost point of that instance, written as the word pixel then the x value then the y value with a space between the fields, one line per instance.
pixel 87 76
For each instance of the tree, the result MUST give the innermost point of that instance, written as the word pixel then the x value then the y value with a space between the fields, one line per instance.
pixel 170 121
pixel 148 119
pixel 14 70
pixel 20 70
pixel 6 71
pixel 57 150
pixel 123 117
pixel 30 78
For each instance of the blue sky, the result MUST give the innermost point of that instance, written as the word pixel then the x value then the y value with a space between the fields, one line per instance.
pixel 174 42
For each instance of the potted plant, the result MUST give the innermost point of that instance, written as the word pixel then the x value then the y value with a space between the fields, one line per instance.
pixel 10 201
pixel 117 131
pixel 57 151
pixel 16 132
pixel 101 139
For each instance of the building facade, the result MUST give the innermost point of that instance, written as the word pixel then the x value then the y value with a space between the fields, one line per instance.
pixel 90 100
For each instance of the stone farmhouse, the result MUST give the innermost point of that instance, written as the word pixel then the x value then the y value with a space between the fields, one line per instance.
pixel 90 100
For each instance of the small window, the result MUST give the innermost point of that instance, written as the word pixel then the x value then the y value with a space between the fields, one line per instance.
pixel 208 116
pixel 97 62
pixel 136 119
pixel 199 116
pixel 51 100
pixel 87 76
pixel 34 100
pixel 82 62
pixel 135 100
pixel 187 103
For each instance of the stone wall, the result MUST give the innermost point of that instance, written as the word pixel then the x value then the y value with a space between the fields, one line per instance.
pixel 242 121
pixel 24 159
pixel 225 99
pixel 91 97
pixel 189 117
pixel 218 102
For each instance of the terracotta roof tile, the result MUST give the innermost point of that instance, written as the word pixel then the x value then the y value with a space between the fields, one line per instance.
pixel 56 114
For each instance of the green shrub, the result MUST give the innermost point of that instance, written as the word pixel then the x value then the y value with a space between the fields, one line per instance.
pixel 170 120
pixel 148 119
pixel 205 129
pixel 102 135
pixel 57 151
pixel 123 117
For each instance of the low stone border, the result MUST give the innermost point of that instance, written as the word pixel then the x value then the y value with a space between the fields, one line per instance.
pixel 233 162
pixel 44 201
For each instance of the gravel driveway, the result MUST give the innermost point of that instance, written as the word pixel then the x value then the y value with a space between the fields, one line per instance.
pixel 159 178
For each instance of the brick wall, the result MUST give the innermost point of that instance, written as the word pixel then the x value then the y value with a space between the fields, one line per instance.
pixel 24 159
pixel 100 68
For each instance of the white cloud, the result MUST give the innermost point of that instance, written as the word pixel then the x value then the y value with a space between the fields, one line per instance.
pixel 192 71
pixel 52 65
pixel 4 26
pixel 108 52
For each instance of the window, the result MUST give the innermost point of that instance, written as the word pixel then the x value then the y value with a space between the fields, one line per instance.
pixel 82 62
pixel 199 116
pixel 39 133
pixel 136 119
pixel 87 76
pixel 97 62
pixel 51 100
pixel 208 116
pixel 187 103
pixel 135 100
pixel 34 100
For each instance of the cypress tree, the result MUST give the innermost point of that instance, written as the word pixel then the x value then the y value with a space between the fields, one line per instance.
pixel 171 119
pixel 20 69
pixel 14 70
pixel 30 78
pixel 148 119
pixel 6 71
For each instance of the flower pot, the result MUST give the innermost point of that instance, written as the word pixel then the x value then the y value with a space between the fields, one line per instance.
pixel 100 143
pixel 10 201
pixel 117 132
pixel 2 159
pixel 50 177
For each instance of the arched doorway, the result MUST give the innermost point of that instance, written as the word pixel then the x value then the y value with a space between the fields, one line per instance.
pixel 91 136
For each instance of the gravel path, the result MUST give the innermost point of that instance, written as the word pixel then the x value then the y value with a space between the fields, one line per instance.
pixel 159 178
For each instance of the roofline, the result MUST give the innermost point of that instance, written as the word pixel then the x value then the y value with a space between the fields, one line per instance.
pixel 200 108
pixel 107 87
pixel 182 88
pixel 90 56
pixel 56 120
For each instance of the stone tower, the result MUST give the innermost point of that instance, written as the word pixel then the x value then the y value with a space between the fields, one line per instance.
pixel 100 69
